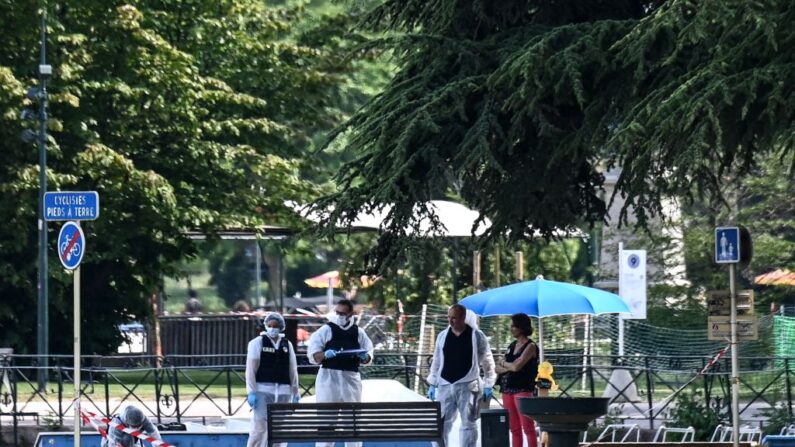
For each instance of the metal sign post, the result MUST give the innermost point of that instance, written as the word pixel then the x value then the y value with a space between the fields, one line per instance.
pixel 735 362
pixel 73 206
pixel 71 248
pixel 77 354
pixel 727 251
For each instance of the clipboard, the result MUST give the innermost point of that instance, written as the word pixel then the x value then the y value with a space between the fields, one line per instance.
pixel 352 352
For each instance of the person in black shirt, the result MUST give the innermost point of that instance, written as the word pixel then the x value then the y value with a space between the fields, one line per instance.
pixel 518 370
pixel 461 352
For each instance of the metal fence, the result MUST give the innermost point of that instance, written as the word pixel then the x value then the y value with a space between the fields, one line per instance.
pixel 213 386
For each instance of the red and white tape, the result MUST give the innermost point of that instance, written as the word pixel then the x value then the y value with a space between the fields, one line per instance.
pixel 715 359
pixel 91 418
pixel 706 368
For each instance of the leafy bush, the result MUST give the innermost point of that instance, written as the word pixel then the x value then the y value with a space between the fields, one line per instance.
pixel 777 418
pixel 692 410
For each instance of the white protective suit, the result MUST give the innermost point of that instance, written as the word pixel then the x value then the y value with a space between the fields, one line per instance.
pixel 333 385
pixel 266 392
pixel 132 417
pixel 463 397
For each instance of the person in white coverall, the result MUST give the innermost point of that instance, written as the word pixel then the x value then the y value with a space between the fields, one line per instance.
pixel 338 379
pixel 271 375
pixel 460 354
pixel 131 417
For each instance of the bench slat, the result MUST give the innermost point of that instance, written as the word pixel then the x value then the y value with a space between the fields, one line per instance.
pixel 349 420
pixel 348 436
pixel 338 422
pixel 354 421
pixel 334 413
pixel 288 424
pixel 371 429
pixel 356 405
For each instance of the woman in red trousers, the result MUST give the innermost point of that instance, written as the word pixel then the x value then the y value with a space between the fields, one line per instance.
pixel 519 370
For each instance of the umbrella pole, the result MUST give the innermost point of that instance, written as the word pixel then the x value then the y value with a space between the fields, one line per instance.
pixel 330 296
pixel 540 340
pixel 257 275
pixel 455 270
pixel 586 352
pixel 420 346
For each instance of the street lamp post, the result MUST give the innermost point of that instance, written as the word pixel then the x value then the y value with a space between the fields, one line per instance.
pixel 45 71
pixel 39 95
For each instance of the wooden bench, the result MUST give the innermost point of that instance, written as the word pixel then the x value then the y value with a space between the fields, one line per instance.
pixel 355 421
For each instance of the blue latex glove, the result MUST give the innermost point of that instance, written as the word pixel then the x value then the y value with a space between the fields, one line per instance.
pixel 432 393
pixel 296 398
pixel 488 392
pixel 252 399
pixel 330 354
pixel 364 357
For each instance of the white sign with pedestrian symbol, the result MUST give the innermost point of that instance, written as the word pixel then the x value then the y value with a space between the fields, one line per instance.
pixel 727 245
pixel 71 245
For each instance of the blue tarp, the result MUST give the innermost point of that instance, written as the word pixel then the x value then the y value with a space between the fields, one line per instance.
pixel 779 441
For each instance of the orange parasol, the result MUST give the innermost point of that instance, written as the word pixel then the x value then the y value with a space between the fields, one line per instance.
pixel 327 279
pixel 780 277
pixel 322 281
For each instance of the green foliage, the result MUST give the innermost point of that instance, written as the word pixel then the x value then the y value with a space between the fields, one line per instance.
pixel 177 291
pixel 564 260
pixel 424 277
pixel 762 203
pixel 52 422
pixel 232 271
pixel 777 418
pixel 182 115
pixel 691 410
pixel 518 105
pixel 712 95
pixel 675 307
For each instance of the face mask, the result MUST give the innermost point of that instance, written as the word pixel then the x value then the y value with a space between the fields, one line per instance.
pixel 341 320
pixel 273 332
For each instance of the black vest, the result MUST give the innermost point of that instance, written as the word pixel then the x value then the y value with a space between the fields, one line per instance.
pixel 343 339
pixel 457 355
pixel 274 362
pixel 525 378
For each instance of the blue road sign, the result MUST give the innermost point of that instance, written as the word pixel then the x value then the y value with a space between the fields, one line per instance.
pixel 71 245
pixel 71 205
pixel 727 245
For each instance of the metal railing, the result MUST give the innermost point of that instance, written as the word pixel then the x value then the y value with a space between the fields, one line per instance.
pixel 214 386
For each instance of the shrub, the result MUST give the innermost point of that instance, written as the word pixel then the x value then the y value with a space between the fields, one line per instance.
pixel 692 410
pixel 777 418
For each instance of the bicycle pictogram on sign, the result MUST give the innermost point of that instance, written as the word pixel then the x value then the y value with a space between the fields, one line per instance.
pixel 71 245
